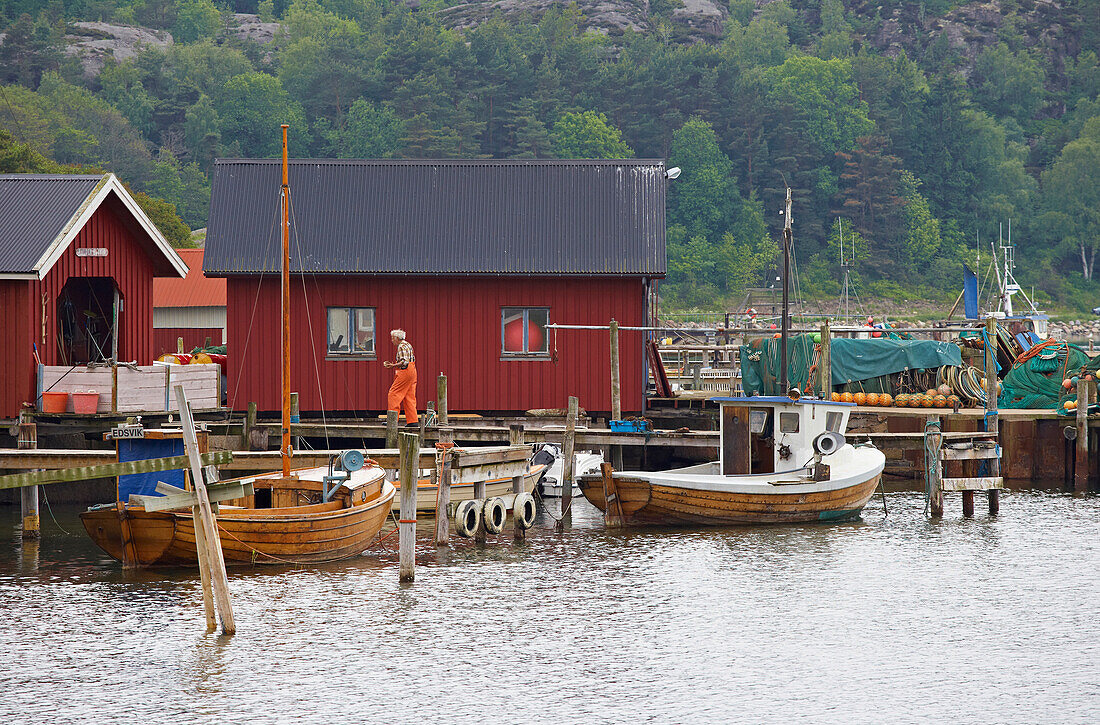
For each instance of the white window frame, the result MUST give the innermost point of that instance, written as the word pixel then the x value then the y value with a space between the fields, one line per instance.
pixel 525 354
pixel 351 315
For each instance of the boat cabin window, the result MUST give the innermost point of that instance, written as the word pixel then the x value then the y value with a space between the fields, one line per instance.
pixel 757 420
pixel 788 422
pixel 833 421
pixel 350 331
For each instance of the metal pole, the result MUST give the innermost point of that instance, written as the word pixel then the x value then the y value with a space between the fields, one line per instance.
pixel 784 384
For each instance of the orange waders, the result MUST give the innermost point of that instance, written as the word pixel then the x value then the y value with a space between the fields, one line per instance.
pixel 403 391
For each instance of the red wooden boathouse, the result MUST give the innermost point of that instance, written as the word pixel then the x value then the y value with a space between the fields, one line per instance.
pixel 77 262
pixel 471 258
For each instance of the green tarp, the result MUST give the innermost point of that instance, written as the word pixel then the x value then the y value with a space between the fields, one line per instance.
pixel 852 360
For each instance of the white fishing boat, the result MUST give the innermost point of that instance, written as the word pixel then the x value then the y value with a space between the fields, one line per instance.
pixel 782 460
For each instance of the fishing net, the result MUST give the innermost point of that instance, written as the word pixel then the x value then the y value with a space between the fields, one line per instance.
pixel 1035 380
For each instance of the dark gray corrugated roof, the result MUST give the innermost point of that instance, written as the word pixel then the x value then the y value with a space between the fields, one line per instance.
pixel 34 208
pixel 441 217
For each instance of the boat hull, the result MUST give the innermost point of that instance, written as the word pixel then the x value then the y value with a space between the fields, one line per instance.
pixel 684 499
pixel 297 535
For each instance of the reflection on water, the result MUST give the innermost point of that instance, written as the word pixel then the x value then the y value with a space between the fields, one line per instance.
pixel 890 619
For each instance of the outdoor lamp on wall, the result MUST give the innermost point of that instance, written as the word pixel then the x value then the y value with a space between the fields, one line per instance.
pixel 672 173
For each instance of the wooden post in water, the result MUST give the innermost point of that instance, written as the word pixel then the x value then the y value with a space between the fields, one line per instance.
pixel 825 363
pixel 992 423
pixel 391 428
pixel 1081 467
pixel 208 541
pixel 566 520
pixel 28 495
pixel 616 391
pixel 934 468
pixel 441 399
pixel 409 444
pixel 443 498
pixel 481 534
pixel 613 507
pixel 515 438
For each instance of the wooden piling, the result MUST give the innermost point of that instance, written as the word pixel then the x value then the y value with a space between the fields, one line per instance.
pixel 28 495
pixel 295 418
pixel 441 399
pixel 1081 469
pixel 616 391
pixel 515 438
pixel 934 468
pixel 409 444
pixel 566 520
pixel 824 364
pixel 247 428
pixel 211 544
pixel 992 418
pixel 391 428
pixel 443 497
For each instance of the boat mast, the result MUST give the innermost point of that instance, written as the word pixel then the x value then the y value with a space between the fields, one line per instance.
pixel 783 382
pixel 285 447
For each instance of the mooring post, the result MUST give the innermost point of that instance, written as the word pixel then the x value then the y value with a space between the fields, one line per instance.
pixel 479 495
pixel 992 424
pixel 824 364
pixel 515 438
pixel 443 497
pixel 697 376
pixel 28 495
pixel 1081 470
pixel 566 520
pixel 409 444
pixel 441 399
pixel 616 391
pixel 934 432
pixel 391 428
pixel 246 429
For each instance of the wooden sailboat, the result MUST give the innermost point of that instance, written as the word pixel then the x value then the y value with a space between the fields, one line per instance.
pixel 302 516
pixel 783 459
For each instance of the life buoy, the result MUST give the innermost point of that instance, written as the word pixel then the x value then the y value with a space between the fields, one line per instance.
pixel 467 518
pixel 523 510
pixel 494 515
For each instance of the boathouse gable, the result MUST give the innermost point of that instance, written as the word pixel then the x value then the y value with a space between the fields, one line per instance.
pixel 70 246
pixel 470 258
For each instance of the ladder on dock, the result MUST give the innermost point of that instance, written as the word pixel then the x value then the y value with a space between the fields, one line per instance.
pixel 975 449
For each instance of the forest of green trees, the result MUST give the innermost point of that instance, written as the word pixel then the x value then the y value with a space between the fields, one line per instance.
pixel 917 154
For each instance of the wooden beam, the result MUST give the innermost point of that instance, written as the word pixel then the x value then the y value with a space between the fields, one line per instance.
pixel 82 473
pixel 488 472
pixel 982 483
pixel 183 499
pixel 969 454
pixel 483 456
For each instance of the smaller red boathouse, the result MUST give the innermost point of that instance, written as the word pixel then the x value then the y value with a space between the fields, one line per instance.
pixel 77 262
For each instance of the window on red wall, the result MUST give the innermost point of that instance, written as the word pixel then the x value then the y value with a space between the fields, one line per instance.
pixel 523 332
pixel 350 331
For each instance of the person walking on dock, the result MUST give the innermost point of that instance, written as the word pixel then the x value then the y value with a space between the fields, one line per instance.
pixel 403 390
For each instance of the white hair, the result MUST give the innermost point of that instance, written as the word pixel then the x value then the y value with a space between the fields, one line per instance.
pixel 399 334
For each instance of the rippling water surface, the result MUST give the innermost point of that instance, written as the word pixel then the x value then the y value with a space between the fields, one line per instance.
pixel 891 619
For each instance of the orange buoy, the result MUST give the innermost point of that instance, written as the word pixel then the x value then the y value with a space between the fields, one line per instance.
pixel 872 399
pixel 836 397
pixel 902 401
pixel 860 398
pixel 886 399
pixel 928 401
pixel 846 397
pixel 941 401
pixel 954 400
pixel 175 358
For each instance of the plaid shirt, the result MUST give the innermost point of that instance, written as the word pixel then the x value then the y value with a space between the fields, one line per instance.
pixel 404 354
